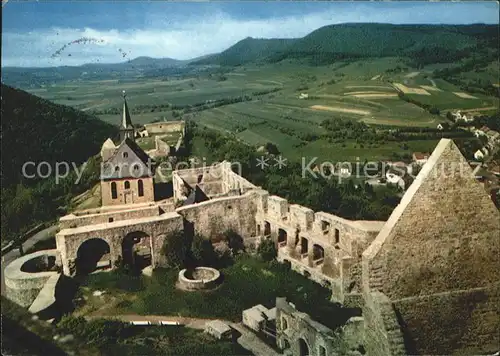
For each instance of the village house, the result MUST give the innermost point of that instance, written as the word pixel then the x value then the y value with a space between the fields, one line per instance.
pixel 218 329
pixel 443 126
pixel 479 132
pixel 420 158
pixel 481 153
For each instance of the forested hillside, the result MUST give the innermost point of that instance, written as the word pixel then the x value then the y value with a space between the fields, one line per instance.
pixel 422 44
pixel 248 50
pixel 36 130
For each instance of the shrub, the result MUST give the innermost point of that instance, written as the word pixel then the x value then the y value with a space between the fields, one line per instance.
pixel 267 250
pixel 202 252
pixel 234 241
pixel 175 248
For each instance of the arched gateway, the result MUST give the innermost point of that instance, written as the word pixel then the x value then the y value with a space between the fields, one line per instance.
pixel 92 255
pixel 136 249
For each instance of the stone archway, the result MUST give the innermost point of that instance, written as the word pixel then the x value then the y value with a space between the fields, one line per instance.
pixel 303 347
pixel 93 254
pixel 136 250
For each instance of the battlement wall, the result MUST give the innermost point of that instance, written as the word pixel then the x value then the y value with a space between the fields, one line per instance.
pixel 107 216
pixel 212 218
pixel 165 126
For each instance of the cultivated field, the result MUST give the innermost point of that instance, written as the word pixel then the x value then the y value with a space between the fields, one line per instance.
pixel 272 111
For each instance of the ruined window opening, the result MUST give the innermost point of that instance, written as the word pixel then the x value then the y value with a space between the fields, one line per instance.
pixel 307 274
pixel 127 184
pixel 110 220
pixel 321 351
pixel 284 323
pixel 318 254
pixel 140 188
pixel 125 155
pixel 136 167
pixel 337 236
pixel 114 193
pixel 282 237
pixel 267 228
pixel 286 344
pixel 303 246
pixel 325 226
pixel 258 229
pixel 117 169
pixel 229 207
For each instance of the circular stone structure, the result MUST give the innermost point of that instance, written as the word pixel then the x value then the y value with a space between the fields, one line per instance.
pixel 199 278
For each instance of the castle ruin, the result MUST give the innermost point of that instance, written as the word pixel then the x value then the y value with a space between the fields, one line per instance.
pixel 426 280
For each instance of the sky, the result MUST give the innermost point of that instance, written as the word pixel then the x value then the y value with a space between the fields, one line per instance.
pixel 33 31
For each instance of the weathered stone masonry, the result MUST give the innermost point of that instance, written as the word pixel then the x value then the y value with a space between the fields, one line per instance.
pixel 427 279
pixel 437 260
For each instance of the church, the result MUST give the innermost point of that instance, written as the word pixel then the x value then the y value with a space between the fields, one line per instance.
pixel 127 171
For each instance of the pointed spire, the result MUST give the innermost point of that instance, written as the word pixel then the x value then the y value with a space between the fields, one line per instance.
pixel 126 121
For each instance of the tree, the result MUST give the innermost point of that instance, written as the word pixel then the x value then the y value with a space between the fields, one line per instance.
pixel 202 252
pixel 449 116
pixel 267 250
pixel 434 111
pixel 234 241
pixel 272 148
pixel 175 249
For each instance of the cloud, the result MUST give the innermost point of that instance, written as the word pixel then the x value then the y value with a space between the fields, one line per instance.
pixel 192 37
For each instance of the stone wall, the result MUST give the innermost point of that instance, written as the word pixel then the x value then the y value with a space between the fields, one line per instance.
pixel 23 287
pixel 322 246
pixel 164 127
pixel 127 196
pixel 458 322
pixel 157 228
pixel 213 217
pixel 382 333
pixel 442 238
pixel 72 221
pixel 292 326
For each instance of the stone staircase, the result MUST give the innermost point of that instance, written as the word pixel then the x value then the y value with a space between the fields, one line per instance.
pixel 376 278
pixel 393 330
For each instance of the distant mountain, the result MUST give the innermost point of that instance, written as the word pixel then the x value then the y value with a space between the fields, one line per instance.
pixel 248 50
pixel 22 77
pixel 417 44
pixel 422 43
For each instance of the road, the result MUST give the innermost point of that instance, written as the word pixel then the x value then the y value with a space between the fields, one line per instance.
pixel 42 235
pixel 248 339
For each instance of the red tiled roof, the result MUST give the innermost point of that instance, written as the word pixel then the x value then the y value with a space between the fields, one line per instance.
pixel 420 155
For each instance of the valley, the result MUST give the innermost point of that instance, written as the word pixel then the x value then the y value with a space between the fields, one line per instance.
pixel 285 103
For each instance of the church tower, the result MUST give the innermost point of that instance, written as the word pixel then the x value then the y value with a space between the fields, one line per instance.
pixel 126 127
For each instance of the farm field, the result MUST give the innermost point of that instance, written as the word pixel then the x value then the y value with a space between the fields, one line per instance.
pixel 364 91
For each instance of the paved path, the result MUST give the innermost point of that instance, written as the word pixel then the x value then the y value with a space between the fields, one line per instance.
pixel 44 234
pixel 248 339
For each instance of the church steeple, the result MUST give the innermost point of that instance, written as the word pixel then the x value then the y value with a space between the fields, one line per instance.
pixel 126 127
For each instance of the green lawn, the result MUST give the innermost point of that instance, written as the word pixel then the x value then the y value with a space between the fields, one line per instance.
pixel 249 281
